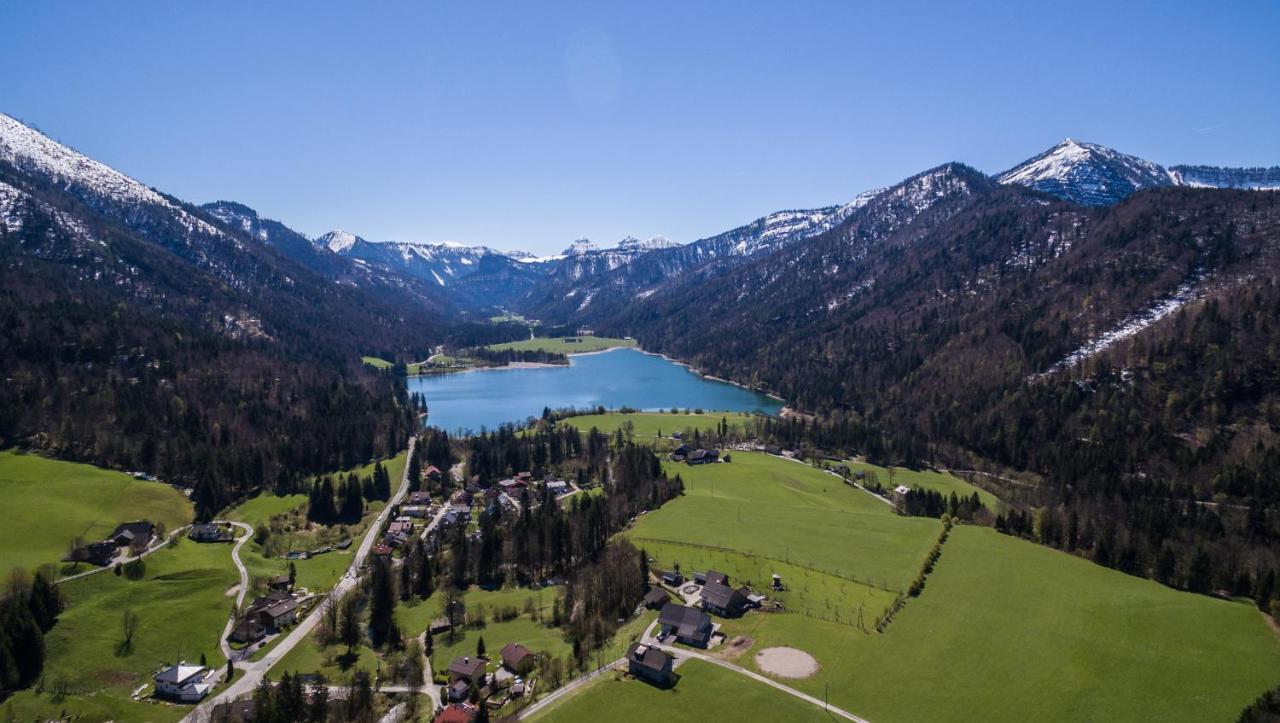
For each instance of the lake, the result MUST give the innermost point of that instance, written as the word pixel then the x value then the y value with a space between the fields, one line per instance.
pixel 620 378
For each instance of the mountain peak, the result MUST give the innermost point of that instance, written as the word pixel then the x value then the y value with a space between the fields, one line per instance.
pixel 338 241
pixel 1087 173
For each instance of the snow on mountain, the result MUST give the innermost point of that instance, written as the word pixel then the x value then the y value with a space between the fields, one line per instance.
pixel 338 241
pixel 92 181
pixel 1087 173
pixel 1254 179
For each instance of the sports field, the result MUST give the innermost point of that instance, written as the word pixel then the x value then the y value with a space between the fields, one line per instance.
pixel 50 502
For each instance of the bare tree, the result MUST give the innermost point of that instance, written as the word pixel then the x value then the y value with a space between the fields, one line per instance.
pixel 129 625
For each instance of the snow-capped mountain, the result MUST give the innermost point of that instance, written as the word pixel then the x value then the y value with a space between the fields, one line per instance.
pixel 1087 173
pixel 339 241
pixel 1254 179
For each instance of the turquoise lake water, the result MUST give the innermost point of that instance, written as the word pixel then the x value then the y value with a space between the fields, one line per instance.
pixel 488 398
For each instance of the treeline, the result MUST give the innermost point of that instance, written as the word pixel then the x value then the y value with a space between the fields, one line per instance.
pixel 544 449
pixel 919 502
pixel 292 701
pixel 29 610
pixel 502 357
pixel 601 593
pixel 343 502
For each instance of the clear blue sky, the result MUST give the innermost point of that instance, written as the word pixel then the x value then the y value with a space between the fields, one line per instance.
pixel 526 125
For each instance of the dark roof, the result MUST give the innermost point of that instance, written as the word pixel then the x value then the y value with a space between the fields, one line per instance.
pixel 514 653
pixel 467 666
pixel 141 528
pixel 704 454
pixel 686 620
pixel 648 656
pixel 655 596
pixel 717 577
pixel 266 601
pixel 282 608
pixel 722 596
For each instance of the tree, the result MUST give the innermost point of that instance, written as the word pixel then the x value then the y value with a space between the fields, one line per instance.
pixel 129 627
pixel 349 624
pixel 480 647
pixel 382 602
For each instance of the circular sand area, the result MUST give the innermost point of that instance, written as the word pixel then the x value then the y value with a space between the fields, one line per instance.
pixel 786 662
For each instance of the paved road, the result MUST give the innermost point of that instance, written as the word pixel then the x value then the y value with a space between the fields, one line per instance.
pixel 244 583
pixel 251 673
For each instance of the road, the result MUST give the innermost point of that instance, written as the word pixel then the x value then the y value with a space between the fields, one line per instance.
pixel 567 688
pixel 244 583
pixel 123 560
pixel 250 674
pixel 648 639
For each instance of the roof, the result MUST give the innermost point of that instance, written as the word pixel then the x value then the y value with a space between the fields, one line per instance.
pixel 514 653
pixel 902 489
pixel 721 596
pixel 282 608
pixel 648 656
pixel 457 713
pixel 686 620
pixel 717 577
pixel 140 528
pixel 180 674
pixel 656 595
pixel 468 666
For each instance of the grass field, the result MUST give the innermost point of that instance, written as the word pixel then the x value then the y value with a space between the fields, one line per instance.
pixel 776 509
pixel 703 690
pixel 182 606
pixel 646 425
pixel 51 502
pixel 376 362
pixel 564 345
pixel 942 482
pixel 321 572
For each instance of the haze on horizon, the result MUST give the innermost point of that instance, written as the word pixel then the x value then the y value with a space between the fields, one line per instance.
pixel 530 126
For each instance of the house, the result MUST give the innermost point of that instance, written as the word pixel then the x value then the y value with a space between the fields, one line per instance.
pixel 556 487
pixel 723 600
pixel 209 532
pixel 677 435
pixel 439 625
pixel 416 511
pixel 401 525
pixel 702 456
pixel 679 453
pixel 459 690
pixel 457 713
pixel 183 682
pixel 901 491
pixel 382 550
pixel 517 658
pixel 97 553
pixel 656 598
pixel 248 630
pixel 715 576
pixel 649 663
pixel 419 498
pixel 510 485
pixel 468 668
pixel 841 469
pixel 525 477
pixel 691 626
pixel 280 583
pixel 432 472
pixel 133 534
pixel 271 612
pixel 672 578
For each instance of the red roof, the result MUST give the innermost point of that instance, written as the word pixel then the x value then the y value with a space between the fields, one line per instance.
pixel 457 713
pixel 381 549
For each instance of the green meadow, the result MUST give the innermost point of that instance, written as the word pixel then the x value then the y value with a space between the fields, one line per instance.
pixel 376 362
pixel 704 692
pixel 60 501
pixel 182 605
pixel 942 482
pixel 645 426
pixel 565 344
pixel 770 508
pixel 321 572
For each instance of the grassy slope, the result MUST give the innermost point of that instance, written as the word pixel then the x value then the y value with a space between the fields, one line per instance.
pixel 560 345
pixel 702 688
pixel 182 607
pixel 943 482
pixel 323 571
pixel 376 362
pixel 789 511
pixel 51 502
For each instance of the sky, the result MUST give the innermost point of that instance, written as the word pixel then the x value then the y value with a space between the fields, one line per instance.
pixel 528 125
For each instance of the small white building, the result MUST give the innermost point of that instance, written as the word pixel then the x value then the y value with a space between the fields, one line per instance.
pixel 183 682
pixel 557 487
pixel 901 490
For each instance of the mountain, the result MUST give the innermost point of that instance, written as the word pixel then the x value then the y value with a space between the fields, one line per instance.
pixel 143 332
pixel 1258 179
pixel 1087 173
pixel 596 286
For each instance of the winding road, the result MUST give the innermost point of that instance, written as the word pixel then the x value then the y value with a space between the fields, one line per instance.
pixel 227 652
pixel 251 673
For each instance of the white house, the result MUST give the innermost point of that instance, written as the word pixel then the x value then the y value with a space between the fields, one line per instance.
pixel 184 682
